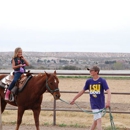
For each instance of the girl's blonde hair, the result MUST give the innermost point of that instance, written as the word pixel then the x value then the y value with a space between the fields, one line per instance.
pixel 16 51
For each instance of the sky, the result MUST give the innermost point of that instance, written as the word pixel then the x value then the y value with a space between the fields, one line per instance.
pixel 65 25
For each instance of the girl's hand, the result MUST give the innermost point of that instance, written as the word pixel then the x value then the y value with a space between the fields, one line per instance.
pixel 21 65
pixel 22 57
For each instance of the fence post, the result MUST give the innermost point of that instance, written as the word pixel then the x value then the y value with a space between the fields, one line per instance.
pixel 0 115
pixel 54 113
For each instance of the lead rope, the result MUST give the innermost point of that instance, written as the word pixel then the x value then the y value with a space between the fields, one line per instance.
pixel 102 110
pixel 111 120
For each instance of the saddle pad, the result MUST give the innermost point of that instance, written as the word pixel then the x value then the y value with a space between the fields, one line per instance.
pixel 8 79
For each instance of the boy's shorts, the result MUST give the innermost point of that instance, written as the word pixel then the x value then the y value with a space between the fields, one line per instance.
pixel 97 115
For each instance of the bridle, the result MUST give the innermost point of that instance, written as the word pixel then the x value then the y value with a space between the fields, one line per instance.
pixel 51 91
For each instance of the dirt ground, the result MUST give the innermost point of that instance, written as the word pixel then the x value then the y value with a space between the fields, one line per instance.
pixel 118 103
pixel 28 127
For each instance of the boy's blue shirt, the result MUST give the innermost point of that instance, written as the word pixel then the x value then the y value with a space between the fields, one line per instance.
pixel 96 91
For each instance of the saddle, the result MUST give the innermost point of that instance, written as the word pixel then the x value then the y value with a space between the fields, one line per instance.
pixel 19 86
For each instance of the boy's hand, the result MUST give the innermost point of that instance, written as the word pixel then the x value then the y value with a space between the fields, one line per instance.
pixel 72 102
pixel 108 104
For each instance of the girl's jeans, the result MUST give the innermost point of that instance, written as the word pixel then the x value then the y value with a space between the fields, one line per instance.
pixel 16 77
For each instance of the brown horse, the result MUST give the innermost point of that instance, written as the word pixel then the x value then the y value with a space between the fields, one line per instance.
pixel 31 96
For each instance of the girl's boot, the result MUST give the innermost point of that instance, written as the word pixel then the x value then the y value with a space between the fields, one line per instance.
pixel 7 95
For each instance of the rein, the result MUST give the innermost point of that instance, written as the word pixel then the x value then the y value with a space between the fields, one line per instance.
pixel 47 86
pixel 102 110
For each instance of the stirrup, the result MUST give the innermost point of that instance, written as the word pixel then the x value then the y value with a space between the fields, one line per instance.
pixel 11 98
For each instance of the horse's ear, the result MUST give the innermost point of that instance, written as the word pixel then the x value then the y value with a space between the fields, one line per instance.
pixel 55 72
pixel 46 74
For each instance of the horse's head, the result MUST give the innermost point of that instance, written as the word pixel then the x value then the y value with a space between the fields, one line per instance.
pixel 52 84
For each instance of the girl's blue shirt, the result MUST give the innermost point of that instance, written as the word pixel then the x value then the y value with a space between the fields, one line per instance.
pixel 17 62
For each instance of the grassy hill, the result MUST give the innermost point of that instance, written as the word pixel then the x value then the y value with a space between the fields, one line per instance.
pixel 70 60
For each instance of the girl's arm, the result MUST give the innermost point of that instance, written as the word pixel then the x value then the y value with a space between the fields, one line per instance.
pixel 15 66
pixel 26 62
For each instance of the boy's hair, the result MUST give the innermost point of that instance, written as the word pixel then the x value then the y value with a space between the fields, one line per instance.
pixel 16 51
pixel 95 68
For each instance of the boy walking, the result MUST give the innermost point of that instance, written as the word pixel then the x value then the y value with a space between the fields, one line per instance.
pixel 96 86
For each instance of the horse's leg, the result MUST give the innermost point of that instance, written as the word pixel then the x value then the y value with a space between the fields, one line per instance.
pixel 19 116
pixel 36 113
pixel 3 105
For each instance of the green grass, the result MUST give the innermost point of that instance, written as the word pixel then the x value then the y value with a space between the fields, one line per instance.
pixel 74 76
pixel 117 128
pixel 106 77
pixel 83 126
pixel 72 125
pixel 62 125
pixel 77 126
pixel 46 124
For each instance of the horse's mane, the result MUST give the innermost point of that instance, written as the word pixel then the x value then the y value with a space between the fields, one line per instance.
pixel 43 75
pixel 39 75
